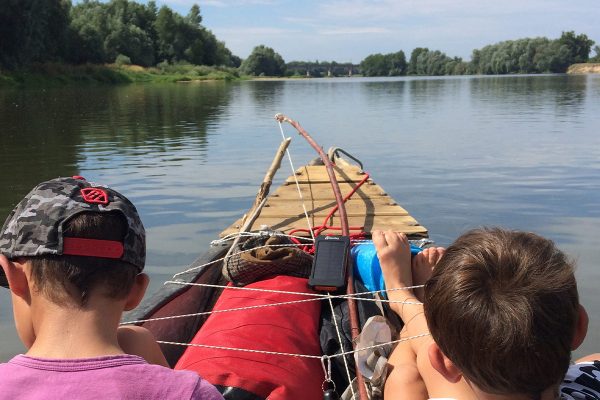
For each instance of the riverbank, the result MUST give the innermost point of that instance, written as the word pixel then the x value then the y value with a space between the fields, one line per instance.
pixel 584 68
pixel 52 74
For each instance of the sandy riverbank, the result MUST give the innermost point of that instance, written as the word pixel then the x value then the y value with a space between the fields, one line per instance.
pixel 587 68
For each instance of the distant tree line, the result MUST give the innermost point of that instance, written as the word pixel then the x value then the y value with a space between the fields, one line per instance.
pixel 94 32
pixel 523 56
pixel 124 32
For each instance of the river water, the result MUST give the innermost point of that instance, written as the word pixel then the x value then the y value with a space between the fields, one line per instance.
pixel 459 152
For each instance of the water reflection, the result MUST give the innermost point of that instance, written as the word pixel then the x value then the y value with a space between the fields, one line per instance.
pixel 59 132
pixel 565 92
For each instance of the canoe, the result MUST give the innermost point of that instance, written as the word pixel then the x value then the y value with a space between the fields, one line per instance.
pixel 181 311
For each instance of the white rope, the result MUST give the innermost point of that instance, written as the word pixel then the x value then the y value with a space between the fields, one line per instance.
pixel 340 296
pixel 221 311
pixel 277 353
pixel 287 151
pixel 319 298
pixel 339 335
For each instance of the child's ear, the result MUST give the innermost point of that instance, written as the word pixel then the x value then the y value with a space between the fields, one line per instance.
pixel 18 281
pixel 443 364
pixel 580 328
pixel 16 277
pixel 137 291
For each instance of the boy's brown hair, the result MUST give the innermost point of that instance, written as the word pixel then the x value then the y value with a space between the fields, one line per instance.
pixel 502 306
pixel 70 280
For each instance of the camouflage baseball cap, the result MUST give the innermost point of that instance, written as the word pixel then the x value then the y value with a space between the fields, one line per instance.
pixel 35 226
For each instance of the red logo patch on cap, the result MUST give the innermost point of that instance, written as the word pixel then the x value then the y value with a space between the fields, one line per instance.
pixel 94 196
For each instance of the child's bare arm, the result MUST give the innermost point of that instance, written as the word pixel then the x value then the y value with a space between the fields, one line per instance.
pixel 139 341
pixel 591 357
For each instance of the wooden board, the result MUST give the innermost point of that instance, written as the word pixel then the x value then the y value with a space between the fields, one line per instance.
pixel 318 174
pixel 321 208
pixel 323 191
pixel 370 208
pixel 406 224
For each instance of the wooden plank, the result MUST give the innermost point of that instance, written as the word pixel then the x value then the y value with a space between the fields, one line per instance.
pixel 368 223
pixel 370 208
pixel 318 174
pixel 276 207
pixel 323 191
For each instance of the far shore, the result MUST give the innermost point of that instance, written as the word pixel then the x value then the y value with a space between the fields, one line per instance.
pixel 55 74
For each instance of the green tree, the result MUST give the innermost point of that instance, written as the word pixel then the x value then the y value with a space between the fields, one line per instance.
pixel 398 64
pixel 375 65
pixel 32 31
pixel 578 46
pixel 101 31
pixel 263 61
pixel 412 64
pixel 531 55
pixel 194 18
pixel 392 64
pixel 596 58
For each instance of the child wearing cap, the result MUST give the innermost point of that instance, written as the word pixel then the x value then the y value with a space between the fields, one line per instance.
pixel 503 312
pixel 72 253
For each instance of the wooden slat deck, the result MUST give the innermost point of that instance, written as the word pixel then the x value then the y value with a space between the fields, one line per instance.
pixel 370 208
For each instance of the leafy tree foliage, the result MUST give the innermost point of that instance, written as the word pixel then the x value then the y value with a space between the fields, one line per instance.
pixel 427 62
pixel 522 56
pixel 32 31
pixel 596 58
pixel 532 55
pixel 263 61
pixel 412 64
pixel 392 64
pixel 97 32
pixel 579 46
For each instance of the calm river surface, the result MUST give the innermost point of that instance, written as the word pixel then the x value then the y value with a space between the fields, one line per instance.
pixel 518 151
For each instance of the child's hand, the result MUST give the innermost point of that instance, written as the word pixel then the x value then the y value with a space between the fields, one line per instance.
pixel 393 251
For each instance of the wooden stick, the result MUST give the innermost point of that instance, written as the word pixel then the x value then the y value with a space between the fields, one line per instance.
pixel 261 196
pixel 268 179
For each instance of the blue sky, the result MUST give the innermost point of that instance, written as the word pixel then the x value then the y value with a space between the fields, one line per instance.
pixel 351 30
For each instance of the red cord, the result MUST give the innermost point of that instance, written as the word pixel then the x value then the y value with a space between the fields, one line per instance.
pixel 317 230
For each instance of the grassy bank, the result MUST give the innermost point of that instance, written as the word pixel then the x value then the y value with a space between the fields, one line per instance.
pixel 51 74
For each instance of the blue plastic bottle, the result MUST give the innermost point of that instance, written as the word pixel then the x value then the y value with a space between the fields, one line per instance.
pixel 367 268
